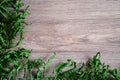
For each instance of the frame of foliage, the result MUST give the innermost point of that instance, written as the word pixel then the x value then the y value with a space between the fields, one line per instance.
pixel 13 59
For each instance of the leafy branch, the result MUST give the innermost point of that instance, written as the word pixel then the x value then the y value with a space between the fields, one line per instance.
pixel 12 23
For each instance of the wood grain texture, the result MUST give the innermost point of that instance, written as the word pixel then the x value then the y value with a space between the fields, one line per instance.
pixel 75 29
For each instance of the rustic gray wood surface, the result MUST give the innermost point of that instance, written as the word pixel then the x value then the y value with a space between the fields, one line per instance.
pixel 74 29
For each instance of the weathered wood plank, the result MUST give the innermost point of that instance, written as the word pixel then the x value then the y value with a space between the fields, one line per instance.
pixel 74 29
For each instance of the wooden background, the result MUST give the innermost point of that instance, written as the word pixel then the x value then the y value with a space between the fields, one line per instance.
pixel 74 29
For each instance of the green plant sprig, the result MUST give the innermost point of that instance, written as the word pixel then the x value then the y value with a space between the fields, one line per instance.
pixel 12 22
